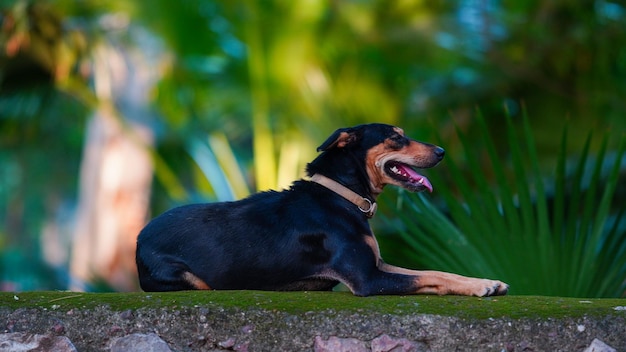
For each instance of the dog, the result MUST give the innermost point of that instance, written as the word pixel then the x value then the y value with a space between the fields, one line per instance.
pixel 309 237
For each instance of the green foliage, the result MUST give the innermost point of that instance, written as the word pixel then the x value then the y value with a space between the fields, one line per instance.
pixel 275 78
pixel 554 234
pixel 219 166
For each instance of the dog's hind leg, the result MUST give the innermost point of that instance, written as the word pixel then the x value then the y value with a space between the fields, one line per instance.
pixel 168 275
pixel 196 282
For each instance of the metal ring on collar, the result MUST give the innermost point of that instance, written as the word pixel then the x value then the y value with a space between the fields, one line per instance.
pixel 369 209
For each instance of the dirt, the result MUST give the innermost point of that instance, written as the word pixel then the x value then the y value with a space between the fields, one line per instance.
pixel 270 321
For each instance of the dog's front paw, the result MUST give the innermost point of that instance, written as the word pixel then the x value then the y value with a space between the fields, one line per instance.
pixel 485 288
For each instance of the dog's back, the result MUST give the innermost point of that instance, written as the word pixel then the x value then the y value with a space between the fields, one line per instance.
pixel 267 241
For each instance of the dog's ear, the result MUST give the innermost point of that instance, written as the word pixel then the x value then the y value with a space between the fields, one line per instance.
pixel 339 139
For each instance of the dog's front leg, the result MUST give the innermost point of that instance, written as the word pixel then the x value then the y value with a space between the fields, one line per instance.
pixel 440 283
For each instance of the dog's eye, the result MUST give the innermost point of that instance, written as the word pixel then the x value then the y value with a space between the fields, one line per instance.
pixel 396 141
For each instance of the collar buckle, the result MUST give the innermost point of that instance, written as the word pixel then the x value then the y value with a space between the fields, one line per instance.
pixel 365 205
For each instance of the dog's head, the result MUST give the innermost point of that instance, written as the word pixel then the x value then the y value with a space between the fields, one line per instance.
pixel 389 156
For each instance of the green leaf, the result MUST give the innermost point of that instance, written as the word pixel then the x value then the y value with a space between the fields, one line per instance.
pixel 569 242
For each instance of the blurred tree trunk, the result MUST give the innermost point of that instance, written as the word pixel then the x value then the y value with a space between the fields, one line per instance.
pixel 116 173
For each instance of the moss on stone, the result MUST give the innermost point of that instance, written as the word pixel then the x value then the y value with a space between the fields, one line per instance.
pixel 513 307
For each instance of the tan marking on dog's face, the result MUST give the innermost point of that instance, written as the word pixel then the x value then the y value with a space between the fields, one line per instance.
pixel 195 281
pixel 415 154
pixel 342 140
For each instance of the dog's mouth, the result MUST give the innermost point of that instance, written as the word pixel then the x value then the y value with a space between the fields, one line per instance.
pixel 407 176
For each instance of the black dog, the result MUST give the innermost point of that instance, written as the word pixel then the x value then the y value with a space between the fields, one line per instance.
pixel 309 237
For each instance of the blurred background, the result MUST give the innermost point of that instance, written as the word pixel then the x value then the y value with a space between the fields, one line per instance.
pixel 112 112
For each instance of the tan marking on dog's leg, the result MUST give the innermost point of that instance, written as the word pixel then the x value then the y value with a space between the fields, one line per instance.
pixel 440 283
pixel 370 240
pixel 195 281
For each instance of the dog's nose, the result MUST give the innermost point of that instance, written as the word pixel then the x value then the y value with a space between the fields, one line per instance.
pixel 439 152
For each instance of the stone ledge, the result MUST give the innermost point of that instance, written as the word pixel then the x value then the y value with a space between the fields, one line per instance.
pixel 300 321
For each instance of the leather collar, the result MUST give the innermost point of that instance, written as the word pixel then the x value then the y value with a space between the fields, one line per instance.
pixel 365 205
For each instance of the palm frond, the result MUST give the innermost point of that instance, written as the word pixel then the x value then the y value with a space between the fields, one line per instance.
pixel 547 234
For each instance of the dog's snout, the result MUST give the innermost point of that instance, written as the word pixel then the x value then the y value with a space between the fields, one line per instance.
pixel 439 152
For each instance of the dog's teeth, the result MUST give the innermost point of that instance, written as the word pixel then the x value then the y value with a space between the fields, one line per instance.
pixel 395 170
pixel 420 181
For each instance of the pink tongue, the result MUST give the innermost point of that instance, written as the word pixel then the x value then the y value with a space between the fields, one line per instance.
pixel 416 178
